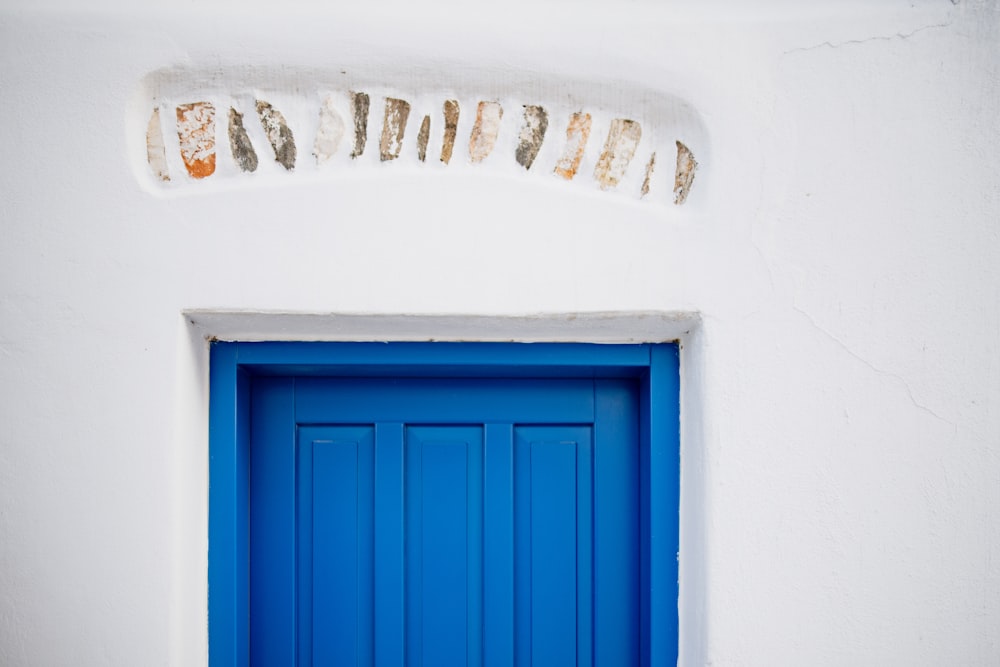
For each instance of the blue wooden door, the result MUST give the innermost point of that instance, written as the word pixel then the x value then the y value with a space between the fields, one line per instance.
pixel 448 521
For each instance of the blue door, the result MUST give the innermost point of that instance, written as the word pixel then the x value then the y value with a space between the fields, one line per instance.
pixel 444 521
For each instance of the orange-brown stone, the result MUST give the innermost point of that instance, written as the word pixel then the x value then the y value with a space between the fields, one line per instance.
pixel 577 134
pixel 196 131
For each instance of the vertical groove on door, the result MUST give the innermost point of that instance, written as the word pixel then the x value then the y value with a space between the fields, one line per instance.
pixel 522 550
pixel 305 545
pixel 498 546
pixel 584 506
pixel 389 540
pixel 414 581
pixel 474 546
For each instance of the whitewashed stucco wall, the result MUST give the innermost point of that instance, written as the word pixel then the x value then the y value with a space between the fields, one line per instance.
pixel 833 276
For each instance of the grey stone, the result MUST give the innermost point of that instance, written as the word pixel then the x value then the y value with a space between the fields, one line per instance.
pixel 536 122
pixel 278 134
pixel 359 104
pixel 239 142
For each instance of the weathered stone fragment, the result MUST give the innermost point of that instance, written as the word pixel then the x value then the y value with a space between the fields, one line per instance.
pixel 450 129
pixel 278 134
pixel 329 133
pixel 536 122
pixel 422 137
pixel 156 152
pixel 684 176
pixel 196 131
pixel 393 126
pixel 359 105
pixel 577 134
pixel 649 175
pixel 239 142
pixel 485 130
pixel 619 148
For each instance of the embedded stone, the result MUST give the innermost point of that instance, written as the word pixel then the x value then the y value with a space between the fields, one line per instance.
pixel 393 127
pixel 577 134
pixel 359 105
pixel 196 132
pixel 279 135
pixel 329 133
pixel 485 130
pixel 156 151
pixel 649 175
pixel 536 122
pixel 422 138
pixel 619 148
pixel 239 143
pixel 450 129
pixel 684 176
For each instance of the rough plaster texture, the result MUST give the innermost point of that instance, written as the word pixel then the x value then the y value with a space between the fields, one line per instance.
pixel 832 276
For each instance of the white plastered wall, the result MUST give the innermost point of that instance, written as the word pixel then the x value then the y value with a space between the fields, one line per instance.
pixel 833 278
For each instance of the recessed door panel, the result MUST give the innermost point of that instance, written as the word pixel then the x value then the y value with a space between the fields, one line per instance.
pixel 553 534
pixel 444 558
pixel 335 510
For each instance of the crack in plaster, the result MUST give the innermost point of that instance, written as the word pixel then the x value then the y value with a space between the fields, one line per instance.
pixel 878 371
pixel 875 38
pixel 757 219
pixel 763 258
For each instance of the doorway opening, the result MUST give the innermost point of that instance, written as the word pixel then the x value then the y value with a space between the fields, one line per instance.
pixel 443 503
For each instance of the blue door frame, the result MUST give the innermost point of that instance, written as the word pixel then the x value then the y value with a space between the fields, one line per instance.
pixel 235 365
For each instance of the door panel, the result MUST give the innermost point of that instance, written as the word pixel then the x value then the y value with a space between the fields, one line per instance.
pixel 554 547
pixel 444 522
pixel 444 506
pixel 335 506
